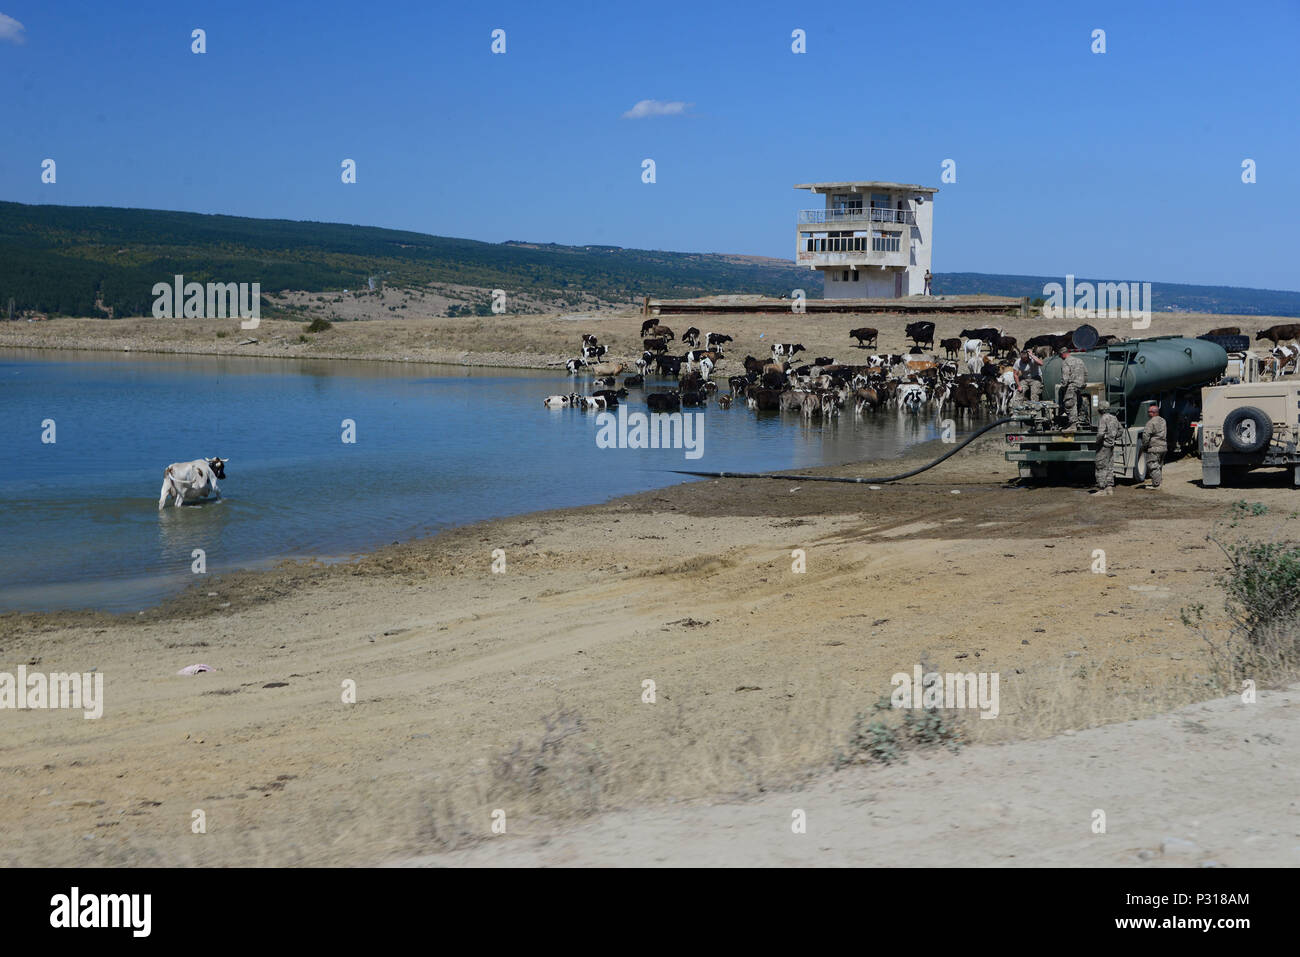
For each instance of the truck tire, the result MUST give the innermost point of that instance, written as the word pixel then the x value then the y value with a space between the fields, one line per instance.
pixel 1140 467
pixel 1247 430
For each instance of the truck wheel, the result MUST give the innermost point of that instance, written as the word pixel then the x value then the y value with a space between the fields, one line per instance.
pixel 1247 430
pixel 1140 467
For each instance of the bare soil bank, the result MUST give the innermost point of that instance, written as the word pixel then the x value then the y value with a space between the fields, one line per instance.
pixel 758 671
pixel 536 341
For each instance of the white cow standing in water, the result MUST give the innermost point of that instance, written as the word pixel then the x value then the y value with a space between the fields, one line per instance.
pixel 191 481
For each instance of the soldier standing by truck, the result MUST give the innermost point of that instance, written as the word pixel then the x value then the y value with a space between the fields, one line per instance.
pixel 1155 437
pixel 1108 432
pixel 1074 378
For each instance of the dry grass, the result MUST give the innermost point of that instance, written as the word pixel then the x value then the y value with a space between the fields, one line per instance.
pixel 1086 695
pixel 1257 637
pixel 565 774
pixel 566 770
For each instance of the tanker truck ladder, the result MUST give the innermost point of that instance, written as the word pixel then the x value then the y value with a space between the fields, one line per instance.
pixel 1112 382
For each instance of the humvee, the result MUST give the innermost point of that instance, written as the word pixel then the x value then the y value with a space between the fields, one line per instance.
pixel 1249 425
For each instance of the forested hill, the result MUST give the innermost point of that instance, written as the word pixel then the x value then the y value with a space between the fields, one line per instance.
pixel 62 260
pixel 86 260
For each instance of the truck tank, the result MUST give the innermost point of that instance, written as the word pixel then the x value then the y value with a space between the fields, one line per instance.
pixel 1143 369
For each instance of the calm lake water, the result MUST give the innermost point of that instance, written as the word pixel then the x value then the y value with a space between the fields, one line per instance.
pixel 435 446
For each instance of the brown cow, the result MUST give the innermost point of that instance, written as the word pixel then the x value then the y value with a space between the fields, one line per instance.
pixel 866 336
pixel 966 397
pixel 1225 331
pixel 867 398
pixel 1276 334
pixel 764 400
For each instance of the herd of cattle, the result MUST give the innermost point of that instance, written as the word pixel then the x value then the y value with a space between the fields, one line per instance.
pixel 819 387
pixel 975 371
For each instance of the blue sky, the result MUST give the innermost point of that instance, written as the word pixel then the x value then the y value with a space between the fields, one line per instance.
pixel 1124 165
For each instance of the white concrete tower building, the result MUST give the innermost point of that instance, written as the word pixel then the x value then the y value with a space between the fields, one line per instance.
pixel 872 240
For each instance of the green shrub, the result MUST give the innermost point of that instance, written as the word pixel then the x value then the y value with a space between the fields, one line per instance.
pixel 1261 588
pixel 873 739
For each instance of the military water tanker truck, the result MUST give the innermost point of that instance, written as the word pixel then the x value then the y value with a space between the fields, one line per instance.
pixel 1167 370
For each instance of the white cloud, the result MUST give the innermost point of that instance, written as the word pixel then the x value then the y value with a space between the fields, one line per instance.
pixel 656 108
pixel 12 30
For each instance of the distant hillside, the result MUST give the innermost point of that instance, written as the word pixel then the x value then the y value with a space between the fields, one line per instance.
pixel 87 260
pixel 1165 296
pixel 67 260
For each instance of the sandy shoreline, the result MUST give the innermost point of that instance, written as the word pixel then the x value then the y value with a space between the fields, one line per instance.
pixel 758 670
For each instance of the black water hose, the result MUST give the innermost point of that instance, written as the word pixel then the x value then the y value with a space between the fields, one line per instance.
pixel 853 481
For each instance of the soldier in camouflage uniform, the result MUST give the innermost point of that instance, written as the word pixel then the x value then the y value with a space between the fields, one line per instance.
pixel 1155 436
pixel 1029 377
pixel 1074 377
pixel 1108 432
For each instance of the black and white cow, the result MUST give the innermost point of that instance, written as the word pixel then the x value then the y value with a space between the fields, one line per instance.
pixel 782 350
pixel 191 481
